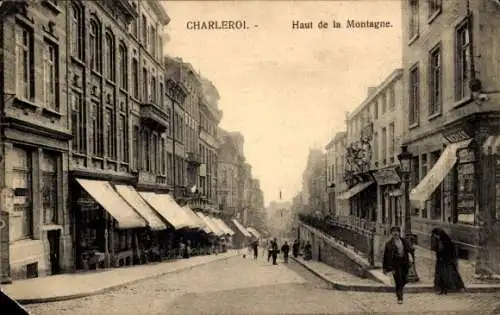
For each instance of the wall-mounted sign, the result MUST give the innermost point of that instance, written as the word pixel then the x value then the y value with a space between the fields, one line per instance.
pixel 461 133
pixel 466 155
pixel 387 176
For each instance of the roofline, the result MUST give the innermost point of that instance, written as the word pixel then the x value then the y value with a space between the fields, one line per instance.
pixel 395 74
pixel 160 10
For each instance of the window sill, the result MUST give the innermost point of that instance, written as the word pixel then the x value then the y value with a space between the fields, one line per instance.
pixel 464 101
pixel 52 6
pixel 413 39
pixel 97 158
pixel 433 16
pixel 78 61
pixel 123 90
pixel 51 113
pixel 25 104
pixel 110 81
pixel 413 126
pixel 97 73
pixel 434 116
pixel 79 154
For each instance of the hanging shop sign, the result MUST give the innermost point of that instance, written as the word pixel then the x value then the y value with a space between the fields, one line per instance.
pixel 388 176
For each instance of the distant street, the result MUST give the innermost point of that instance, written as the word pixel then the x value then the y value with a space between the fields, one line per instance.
pixel 243 286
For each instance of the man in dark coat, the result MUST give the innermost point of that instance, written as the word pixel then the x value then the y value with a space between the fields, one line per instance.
pixel 285 249
pixel 397 258
pixel 275 250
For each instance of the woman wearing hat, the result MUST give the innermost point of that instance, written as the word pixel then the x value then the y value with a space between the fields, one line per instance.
pixel 397 258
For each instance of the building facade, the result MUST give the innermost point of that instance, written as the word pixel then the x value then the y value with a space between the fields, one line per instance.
pixel 84 103
pixel 450 61
pixel 335 151
pixel 35 130
pixel 314 180
pixel 210 117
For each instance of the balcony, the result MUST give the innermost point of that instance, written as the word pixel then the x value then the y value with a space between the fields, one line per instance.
pixel 151 180
pixel 193 158
pixel 154 117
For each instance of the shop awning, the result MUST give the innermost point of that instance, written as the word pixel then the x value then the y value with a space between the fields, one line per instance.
pixel 170 211
pixel 213 228
pixel 241 228
pixel 254 232
pixel 200 224
pixel 224 226
pixel 354 190
pixel 492 145
pixel 213 220
pixel 420 194
pixel 104 194
pixel 135 200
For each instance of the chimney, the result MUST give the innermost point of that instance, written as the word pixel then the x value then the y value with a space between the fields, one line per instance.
pixel 371 90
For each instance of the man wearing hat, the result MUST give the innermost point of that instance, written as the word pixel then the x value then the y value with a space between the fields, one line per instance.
pixel 397 258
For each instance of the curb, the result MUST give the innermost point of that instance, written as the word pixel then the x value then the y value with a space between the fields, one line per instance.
pixel 419 288
pixel 112 287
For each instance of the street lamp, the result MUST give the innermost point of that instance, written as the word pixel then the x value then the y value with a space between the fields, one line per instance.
pixel 405 161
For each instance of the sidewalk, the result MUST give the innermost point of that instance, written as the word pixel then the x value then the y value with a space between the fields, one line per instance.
pixel 340 280
pixel 72 286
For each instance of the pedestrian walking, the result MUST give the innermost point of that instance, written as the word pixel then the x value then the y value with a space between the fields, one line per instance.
pixel 446 275
pixel 295 248
pixel 285 249
pixel 274 251
pixel 397 259
pixel 269 250
pixel 255 246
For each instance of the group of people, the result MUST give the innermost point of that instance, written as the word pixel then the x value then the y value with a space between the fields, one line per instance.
pixel 399 255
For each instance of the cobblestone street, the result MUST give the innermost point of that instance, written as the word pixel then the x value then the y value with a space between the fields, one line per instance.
pixel 242 286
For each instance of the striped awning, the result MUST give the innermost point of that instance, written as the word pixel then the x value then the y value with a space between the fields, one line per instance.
pixel 492 145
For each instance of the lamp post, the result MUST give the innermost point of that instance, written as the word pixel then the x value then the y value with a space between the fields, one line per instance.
pixel 405 161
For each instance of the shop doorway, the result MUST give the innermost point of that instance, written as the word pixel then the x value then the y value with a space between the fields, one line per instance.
pixel 54 249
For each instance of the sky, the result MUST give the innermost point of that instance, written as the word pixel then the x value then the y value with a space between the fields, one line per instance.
pixel 286 90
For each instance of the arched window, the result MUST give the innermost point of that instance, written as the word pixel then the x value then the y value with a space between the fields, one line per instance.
pixel 123 75
pixel 94 43
pixel 76 32
pixel 109 53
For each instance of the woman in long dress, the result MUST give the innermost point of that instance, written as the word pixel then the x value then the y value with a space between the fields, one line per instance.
pixel 446 277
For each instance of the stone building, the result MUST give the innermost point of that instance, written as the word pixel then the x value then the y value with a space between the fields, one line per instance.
pixel 85 111
pixel 187 159
pixel 35 130
pixel 314 180
pixel 118 120
pixel 230 157
pixel 335 151
pixel 210 117
pixel 450 63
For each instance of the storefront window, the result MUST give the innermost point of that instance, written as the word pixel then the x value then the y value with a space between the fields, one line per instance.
pixel 21 226
pixel 49 186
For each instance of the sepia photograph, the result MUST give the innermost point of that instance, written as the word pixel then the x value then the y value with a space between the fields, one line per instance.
pixel 213 157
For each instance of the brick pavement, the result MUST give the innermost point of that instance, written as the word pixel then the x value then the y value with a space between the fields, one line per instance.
pixel 69 286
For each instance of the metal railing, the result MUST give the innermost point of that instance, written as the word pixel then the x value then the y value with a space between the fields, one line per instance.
pixel 350 232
